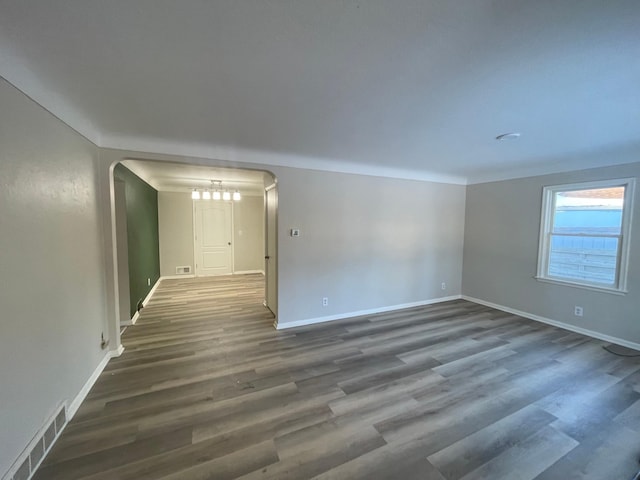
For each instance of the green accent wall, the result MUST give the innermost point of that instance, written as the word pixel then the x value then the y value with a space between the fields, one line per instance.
pixel 142 234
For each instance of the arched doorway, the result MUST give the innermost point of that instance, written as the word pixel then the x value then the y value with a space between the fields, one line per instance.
pixel 177 181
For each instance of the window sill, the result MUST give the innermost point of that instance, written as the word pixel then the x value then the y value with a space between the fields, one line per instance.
pixel 594 288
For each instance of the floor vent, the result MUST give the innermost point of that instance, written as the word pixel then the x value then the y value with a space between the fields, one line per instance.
pixel 183 270
pixel 31 458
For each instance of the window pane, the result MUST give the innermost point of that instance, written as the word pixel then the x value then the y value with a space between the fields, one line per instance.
pixel 591 259
pixel 584 234
pixel 595 211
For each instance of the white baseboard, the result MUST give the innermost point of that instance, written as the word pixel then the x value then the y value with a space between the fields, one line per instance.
pixel 340 316
pixel 75 404
pixel 84 391
pixel 151 292
pixel 136 316
pixel 555 323
pixel 178 277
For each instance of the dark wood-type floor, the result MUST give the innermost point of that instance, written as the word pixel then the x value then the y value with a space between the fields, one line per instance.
pixel 207 389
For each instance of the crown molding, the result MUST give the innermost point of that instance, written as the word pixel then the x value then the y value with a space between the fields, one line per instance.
pixel 28 84
pixel 31 87
pixel 259 157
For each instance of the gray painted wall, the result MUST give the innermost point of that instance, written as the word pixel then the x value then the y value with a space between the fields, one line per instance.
pixel 248 234
pixel 175 224
pixel 366 242
pixel 501 251
pixel 51 268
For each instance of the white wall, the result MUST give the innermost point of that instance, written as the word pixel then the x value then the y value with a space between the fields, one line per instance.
pixel 175 229
pixel 248 234
pixel 51 268
pixel 501 251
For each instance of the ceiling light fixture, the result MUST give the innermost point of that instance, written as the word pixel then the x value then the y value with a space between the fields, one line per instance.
pixel 215 186
pixel 508 136
pixel 215 192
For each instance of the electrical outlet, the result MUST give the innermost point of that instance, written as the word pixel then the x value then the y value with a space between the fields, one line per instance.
pixel 577 311
pixel 325 301
pixel 148 282
pixel 443 286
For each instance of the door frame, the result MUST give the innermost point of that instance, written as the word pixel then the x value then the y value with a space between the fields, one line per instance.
pixel 269 263
pixel 122 249
pixel 112 322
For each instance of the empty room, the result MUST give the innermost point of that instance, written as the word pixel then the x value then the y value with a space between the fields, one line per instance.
pixel 319 239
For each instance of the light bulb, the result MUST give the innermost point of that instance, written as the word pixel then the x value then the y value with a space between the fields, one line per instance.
pixel 195 195
pixel 236 195
pixel 216 195
pixel 206 195
pixel 226 196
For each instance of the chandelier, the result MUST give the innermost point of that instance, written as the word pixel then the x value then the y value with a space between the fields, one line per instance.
pixel 215 192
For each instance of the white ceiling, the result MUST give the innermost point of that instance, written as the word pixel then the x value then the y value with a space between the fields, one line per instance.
pixel 408 88
pixel 178 177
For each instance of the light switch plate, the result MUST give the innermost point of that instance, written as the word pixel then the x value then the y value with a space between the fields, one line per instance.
pixel 295 232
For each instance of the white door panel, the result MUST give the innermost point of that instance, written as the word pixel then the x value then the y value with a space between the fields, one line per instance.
pixel 213 233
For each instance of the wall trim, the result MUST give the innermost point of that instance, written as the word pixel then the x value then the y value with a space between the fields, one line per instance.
pixel 84 391
pixel 176 277
pixel 133 320
pixel 136 316
pixel 151 292
pixel 359 313
pixel 556 323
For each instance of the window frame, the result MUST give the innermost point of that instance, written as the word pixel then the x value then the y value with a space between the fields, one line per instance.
pixel 546 224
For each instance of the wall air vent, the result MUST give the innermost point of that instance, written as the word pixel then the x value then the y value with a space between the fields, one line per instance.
pixel 183 270
pixel 32 456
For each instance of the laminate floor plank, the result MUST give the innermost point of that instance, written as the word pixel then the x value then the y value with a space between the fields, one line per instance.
pixel 207 389
pixel 534 455
pixel 489 442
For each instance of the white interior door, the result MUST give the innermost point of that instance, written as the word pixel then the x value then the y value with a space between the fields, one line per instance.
pixel 271 250
pixel 212 241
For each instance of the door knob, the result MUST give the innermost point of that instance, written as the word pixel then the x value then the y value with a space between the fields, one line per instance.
pixel 267 257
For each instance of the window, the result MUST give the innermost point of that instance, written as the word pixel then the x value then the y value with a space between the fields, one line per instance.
pixel 584 234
